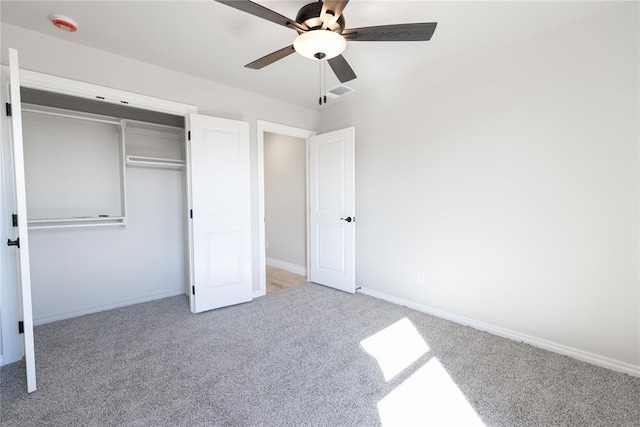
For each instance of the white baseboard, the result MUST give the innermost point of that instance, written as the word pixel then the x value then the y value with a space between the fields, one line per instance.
pixel 1 361
pixel 283 265
pixel 582 355
pixel 97 309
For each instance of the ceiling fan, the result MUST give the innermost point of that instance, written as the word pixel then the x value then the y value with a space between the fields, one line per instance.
pixel 322 34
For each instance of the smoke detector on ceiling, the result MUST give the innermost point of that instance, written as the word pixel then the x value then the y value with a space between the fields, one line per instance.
pixel 64 23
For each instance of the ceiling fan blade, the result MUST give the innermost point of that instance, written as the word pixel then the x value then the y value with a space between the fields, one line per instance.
pixel 271 58
pixel 392 33
pixel 342 69
pixel 264 13
pixel 335 8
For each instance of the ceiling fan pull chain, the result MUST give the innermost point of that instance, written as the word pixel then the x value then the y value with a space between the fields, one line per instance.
pixel 324 66
pixel 320 82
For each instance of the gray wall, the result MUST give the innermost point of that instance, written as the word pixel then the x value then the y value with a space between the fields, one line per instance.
pixel 285 198
pixel 512 181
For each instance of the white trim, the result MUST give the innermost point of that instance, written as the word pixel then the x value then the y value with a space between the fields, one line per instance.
pixel 262 127
pixel 287 266
pixel 105 307
pixel 55 84
pixel 1 360
pixel 585 356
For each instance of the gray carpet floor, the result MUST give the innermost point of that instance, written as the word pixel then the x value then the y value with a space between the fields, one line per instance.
pixel 295 358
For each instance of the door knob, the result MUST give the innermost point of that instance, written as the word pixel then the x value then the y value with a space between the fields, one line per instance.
pixel 348 219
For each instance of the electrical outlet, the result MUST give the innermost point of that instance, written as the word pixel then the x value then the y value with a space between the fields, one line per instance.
pixel 266 244
pixel 420 277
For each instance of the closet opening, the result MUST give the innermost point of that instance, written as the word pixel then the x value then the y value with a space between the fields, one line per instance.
pixel 107 204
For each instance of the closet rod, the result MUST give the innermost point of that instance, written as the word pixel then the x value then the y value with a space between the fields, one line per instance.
pixel 154 162
pixel 153 124
pixel 72 116
pixel 157 165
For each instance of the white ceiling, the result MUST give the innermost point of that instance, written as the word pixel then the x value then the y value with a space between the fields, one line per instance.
pixel 213 41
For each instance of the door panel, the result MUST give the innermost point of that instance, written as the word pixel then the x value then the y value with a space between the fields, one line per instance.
pixel 225 258
pixel 332 210
pixel 331 244
pixel 221 202
pixel 21 208
pixel 331 179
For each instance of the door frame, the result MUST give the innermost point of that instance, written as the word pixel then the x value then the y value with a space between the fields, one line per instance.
pixel 262 127
pixel 9 313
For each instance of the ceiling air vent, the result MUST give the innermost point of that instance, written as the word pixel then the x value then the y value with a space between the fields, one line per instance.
pixel 339 91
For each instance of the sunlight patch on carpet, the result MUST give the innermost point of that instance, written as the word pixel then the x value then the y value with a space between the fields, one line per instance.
pixel 428 397
pixel 395 347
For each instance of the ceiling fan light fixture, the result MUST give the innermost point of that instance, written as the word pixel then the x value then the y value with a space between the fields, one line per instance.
pixel 320 44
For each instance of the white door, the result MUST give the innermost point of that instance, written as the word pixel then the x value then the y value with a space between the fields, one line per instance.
pixel 221 212
pixel 21 241
pixel 332 209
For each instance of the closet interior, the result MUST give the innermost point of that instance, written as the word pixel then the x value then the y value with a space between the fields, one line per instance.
pixel 106 204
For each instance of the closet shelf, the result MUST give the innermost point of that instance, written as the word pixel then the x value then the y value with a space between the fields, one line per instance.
pixel 76 222
pixel 154 162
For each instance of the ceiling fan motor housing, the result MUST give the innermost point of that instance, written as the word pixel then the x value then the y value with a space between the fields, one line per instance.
pixel 309 15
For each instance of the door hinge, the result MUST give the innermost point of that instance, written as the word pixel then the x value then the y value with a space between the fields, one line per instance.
pixel 189 135
pixel 191 213
pixel 193 290
pixel 21 327
pixel 8 107
pixel 14 242
pixel 14 220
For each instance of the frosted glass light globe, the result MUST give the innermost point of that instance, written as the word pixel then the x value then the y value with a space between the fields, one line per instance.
pixel 319 44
